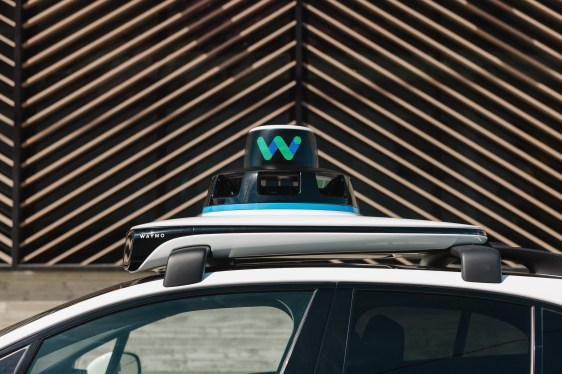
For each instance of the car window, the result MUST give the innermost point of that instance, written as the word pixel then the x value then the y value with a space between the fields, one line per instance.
pixel 552 341
pixel 234 333
pixel 427 333
pixel 10 362
pixel 99 354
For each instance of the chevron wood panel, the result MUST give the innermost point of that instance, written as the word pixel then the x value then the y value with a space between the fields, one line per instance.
pixel 445 110
pixel 7 107
pixel 131 106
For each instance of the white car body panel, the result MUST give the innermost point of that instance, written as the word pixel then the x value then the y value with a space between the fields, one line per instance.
pixel 290 217
pixel 535 288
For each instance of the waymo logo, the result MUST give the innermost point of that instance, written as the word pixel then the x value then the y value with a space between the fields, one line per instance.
pixel 278 143
pixel 151 236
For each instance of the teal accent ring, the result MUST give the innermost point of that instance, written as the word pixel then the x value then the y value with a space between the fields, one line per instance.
pixel 264 206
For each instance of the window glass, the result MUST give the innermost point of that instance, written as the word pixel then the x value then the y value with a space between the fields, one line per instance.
pixel 278 184
pixel 89 358
pixel 10 362
pixel 489 336
pixel 239 333
pixel 427 333
pixel 552 341
pixel 330 185
pixel 227 185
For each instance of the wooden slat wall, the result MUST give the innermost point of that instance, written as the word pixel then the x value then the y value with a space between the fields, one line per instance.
pixel 132 106
pixel 7 108
pixel 444 110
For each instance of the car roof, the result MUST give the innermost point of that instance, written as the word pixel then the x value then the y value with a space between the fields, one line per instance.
pixel 536 288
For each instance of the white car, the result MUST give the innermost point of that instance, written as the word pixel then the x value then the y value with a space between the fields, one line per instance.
pixel 282 275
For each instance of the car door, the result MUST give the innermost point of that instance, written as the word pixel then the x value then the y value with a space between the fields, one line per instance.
pixel 428 330
pixel 233 330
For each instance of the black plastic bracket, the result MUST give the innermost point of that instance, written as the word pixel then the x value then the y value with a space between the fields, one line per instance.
pixel 479 263
pixel 537 261
pixel 186 266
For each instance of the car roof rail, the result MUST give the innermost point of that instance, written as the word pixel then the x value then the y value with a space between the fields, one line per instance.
pixel 474 257
pixel 535 260
pixel 186 265
pixel 479 263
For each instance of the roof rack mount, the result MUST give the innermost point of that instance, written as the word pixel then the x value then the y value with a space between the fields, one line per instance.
pixel 264 244
pixel 479 263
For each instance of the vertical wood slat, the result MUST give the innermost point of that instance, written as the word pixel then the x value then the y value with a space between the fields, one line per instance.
pixel 10 37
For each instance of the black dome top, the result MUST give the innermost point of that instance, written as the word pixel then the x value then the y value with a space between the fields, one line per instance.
pixel 280 172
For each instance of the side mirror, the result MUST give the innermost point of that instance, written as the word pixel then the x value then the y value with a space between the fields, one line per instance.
pixel 129 364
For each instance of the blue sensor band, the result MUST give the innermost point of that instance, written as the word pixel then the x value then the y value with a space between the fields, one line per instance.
pixel 263 206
